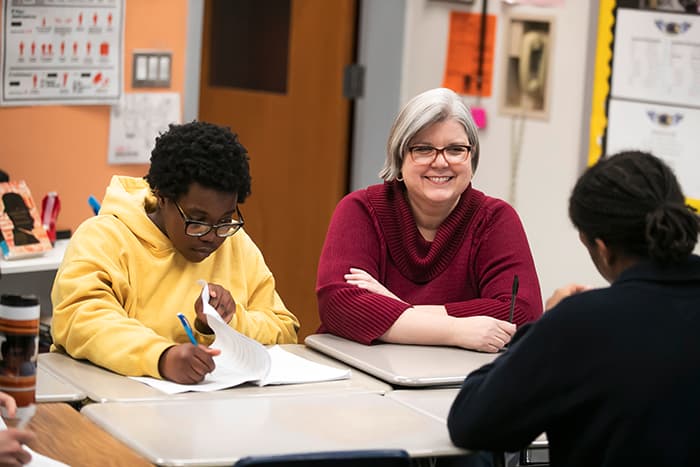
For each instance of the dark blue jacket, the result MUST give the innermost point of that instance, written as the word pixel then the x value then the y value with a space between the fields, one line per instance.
pixel 611 375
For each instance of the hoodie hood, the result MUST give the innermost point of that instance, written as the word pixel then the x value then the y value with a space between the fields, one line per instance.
pixel 129 199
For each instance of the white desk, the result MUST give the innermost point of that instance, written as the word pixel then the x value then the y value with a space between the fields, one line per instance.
pixel 436 403
pixel 101 385
pixel 403 365
pixel 221 431
pixel 49 261
pixel 50 388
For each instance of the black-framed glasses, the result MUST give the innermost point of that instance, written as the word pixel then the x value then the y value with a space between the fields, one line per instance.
pixel 424 154
pixel 200 229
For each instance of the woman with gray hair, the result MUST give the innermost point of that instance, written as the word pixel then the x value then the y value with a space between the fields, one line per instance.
pixel 424 258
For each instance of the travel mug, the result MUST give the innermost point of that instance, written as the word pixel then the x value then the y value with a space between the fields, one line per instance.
pixel 19 339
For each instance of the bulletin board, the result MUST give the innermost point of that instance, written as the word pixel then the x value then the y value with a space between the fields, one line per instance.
pixel 645 93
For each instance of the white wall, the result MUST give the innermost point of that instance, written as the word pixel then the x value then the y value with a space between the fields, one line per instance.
pixel 380 50
pixel 553 151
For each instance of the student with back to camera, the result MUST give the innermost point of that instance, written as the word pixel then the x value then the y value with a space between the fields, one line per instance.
pixel 130 270
pixel 611 375
pixel 424 258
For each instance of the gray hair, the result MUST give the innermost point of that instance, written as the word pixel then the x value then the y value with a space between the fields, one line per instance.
pixel 427 108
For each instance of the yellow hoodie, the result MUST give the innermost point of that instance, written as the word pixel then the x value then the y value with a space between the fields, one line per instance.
pixel 122 282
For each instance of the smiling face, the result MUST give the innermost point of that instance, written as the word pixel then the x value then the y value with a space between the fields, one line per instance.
pixel 198 204
pixel 438 184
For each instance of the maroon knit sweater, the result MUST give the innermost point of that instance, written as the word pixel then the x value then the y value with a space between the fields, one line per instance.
pixel 468 267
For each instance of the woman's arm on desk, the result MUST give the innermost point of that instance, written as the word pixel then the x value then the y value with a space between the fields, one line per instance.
pixel 431 325
pixel 424 325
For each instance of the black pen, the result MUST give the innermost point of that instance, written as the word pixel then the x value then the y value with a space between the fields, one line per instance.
pixel 512 298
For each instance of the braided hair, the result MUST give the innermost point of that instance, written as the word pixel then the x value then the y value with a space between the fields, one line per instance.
pixel 633 202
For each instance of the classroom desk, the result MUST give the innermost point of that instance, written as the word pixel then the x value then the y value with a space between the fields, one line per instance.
pixel 51 388
pixel 403 365
pixel 436 403
pixel 220 431
pixel 101 385
pixel 67 436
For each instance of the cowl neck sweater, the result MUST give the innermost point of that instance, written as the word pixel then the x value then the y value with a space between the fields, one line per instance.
pixel 418 259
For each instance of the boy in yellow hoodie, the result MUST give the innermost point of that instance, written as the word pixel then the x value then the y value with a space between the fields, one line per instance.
pixel 128 271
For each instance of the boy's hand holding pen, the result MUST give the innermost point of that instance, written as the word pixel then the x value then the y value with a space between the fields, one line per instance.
pixel 188 328
pixel 184 363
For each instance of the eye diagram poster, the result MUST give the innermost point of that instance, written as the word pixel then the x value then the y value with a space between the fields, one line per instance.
pixel 657 57
pixel 57 52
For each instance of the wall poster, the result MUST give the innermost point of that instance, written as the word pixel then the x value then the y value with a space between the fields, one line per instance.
pixel 57 52
pixel 646 92
pixel 135 123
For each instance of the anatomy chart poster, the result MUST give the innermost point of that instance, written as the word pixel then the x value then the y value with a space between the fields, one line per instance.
pixel 57 52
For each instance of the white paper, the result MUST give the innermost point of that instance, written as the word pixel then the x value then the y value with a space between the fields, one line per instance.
pixel 67 52
pixel 668 132
pixel 243 359
pixel 136 122
pixel 656 57
pixel 38 460
pixel 288 368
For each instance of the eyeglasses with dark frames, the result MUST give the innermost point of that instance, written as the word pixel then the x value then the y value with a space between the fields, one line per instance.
pixel 200 229
pixel 424 154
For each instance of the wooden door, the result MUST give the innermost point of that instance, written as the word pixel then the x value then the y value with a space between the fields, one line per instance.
pixel 277 82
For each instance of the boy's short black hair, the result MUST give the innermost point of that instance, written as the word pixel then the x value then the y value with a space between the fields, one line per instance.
pixel 201 152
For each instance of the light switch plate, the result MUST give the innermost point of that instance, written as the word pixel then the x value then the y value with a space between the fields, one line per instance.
pixel 151 69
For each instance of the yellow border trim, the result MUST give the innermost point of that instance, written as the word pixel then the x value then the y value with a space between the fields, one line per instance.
pixel 601 78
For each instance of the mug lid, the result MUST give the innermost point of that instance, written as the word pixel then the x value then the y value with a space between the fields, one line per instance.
pixel 18 300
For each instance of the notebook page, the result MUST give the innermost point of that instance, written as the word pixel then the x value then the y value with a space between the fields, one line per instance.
pixel 242 359
pixel 239 354
pixel 288 368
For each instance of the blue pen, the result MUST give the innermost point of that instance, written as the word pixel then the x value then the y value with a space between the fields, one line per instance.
pixel 188 328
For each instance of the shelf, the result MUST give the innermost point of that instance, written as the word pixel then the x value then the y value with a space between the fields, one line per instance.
pixel 47 262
